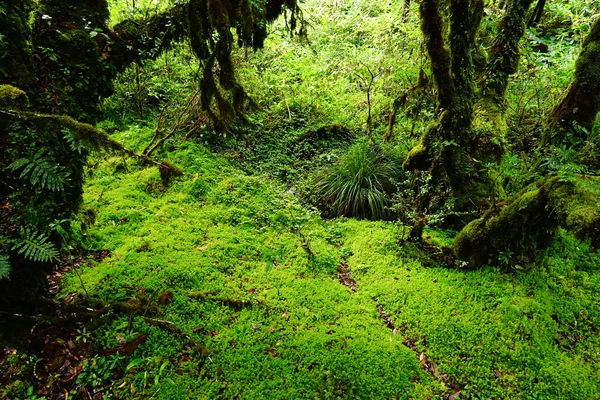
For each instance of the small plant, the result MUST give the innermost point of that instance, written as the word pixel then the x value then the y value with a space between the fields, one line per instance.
pixel 99 371
pixel 35 246
pixel 359 183
pixel 272 258
pixel 42 171
pixel 4 266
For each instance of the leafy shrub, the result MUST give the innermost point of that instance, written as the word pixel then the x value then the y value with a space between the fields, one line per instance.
pixel 359 183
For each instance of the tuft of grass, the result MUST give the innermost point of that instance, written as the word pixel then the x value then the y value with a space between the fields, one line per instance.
pixel 359 183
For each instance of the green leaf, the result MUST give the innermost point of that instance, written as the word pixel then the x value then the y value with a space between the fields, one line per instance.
pixel 4 266
pixel 42 171
pixel 35 246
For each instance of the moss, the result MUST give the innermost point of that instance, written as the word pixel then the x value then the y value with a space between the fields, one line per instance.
pixel 508 228
pixel 13 98
pixel 576 206
pixel 419 157
pixel 16 67
pixel 580 106
pixel 530 220
pixel 311 335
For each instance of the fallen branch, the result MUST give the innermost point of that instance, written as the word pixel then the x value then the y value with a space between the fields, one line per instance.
pixel 91 137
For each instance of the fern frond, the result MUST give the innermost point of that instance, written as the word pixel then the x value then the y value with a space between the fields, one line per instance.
pixel 42 171
pixel 75 144
pixel 35 246
pixel 4 266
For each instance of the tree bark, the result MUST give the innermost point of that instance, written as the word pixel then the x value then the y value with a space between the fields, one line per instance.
pixel 573 118
pixel 452 69
pixel 536 16
pixel 505 53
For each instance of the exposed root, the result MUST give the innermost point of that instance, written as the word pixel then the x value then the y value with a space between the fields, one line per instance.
pixel 236 304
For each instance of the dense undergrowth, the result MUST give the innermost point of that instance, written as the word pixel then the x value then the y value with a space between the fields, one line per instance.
pixel 229 283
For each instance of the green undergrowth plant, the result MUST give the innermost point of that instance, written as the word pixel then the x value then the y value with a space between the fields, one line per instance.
pixel 360 182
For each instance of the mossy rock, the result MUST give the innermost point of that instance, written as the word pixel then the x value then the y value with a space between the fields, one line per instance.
pixel 13 98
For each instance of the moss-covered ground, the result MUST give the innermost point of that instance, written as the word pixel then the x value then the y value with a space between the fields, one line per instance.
pixel 225 284
pixel 256 286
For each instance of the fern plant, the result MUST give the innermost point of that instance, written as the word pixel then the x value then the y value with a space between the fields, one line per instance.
pixel 35 246
pixel 4 266
pixel 42 171
pixel 74 143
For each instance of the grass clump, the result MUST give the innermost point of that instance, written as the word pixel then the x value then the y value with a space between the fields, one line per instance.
pixel 359 183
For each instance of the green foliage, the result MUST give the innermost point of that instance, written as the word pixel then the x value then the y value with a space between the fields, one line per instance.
pixel 35 246
pixel 262 306
pixel 99 371
pixel 4 266
pixel 359 183
pixel 42 171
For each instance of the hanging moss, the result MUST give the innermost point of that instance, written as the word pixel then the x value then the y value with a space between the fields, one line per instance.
pixel 136 40
pixel 531 219
pixel 210 26
pixel 77 56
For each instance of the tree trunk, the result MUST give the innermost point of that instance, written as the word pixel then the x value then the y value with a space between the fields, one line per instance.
pixel 573 118
pixel 468 133
pixel 16 66
pixel 536 16
pixel 452 69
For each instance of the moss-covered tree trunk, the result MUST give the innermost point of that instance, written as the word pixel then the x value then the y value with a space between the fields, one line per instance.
pixel 445 148
pixel 16 66
pixel 471 122
pixel 503 62
pixel 573 118
pixel 531 218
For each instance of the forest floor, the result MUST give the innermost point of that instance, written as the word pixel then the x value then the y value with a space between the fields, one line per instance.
pixel 261 298
pixel 225 284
